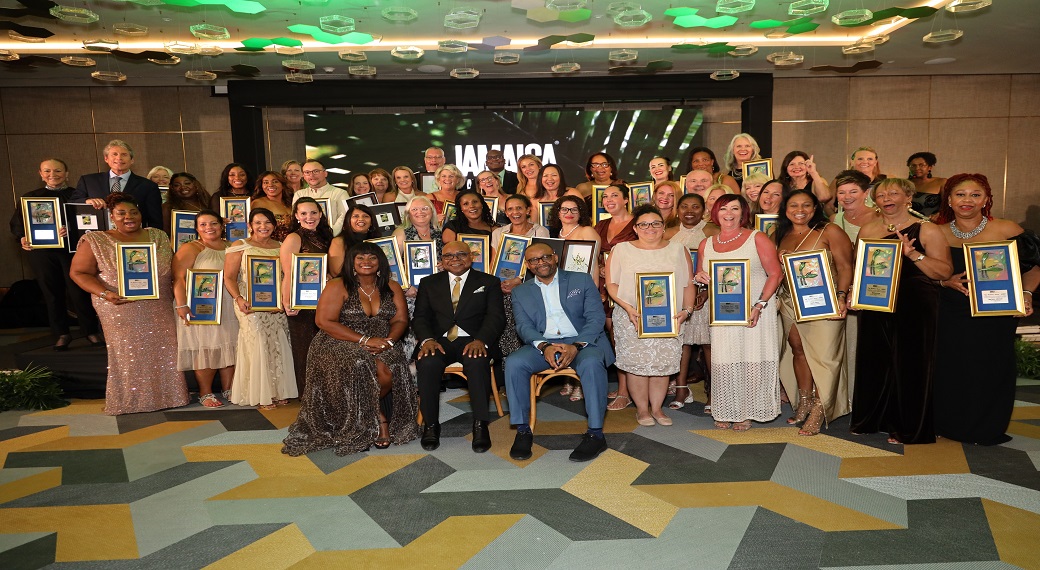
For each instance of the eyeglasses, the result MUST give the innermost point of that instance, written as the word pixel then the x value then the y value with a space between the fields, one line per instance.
pixel 599 164
pixel 419 209
pixel 547 258
pixel 486 179
pixel 647 225
pixel 569 210
pixel 458 256
pixel 308 172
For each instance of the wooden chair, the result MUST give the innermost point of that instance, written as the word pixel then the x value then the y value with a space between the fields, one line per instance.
pixel 539 379
pixel 457 370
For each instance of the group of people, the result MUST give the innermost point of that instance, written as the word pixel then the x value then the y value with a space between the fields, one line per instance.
pixel 370 358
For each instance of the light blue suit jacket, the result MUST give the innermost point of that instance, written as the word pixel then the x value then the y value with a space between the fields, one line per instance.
pixel 580 300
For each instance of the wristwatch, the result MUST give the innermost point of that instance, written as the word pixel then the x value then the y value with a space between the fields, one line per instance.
pixel 762 302
pixel 919 258
pixel 542 345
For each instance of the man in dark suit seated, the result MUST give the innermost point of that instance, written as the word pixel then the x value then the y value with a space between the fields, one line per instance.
pixel 559 318
pixel 458 317
pixel 92 188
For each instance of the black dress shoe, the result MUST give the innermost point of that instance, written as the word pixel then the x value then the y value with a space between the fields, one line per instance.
pixel 481 437
pixel 589 448
pixel 521 449
pixel 431 436
pixel 96 340
pixel 63 343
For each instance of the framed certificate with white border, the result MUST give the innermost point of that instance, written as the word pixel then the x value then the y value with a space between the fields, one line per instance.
pixel 509 261
pixel 309 273
pixel 81 219
pixel 235 212
pixel 994 279
pixel 810 282
pixel 875 281
pixel 137 271
pixel 398 272
pixel 182 228
pixel 598 211
pixel 422 260
pixel 42 221
pixel 730 292
pixel 205 295
pixel 479 247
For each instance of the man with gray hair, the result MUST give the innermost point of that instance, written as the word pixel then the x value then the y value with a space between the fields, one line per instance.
pixel 119 156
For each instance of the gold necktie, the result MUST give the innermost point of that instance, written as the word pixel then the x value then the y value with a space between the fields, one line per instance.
pixel 456 291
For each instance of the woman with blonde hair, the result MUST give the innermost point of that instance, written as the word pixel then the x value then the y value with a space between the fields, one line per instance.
pixel 527 168
pixel 865 160
pixel 666 197
pixel 404 182
pixel 741 149
pixel 293 173
pixel 449 181
pixel 752 186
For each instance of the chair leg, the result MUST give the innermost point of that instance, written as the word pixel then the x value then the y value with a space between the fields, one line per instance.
pixel 536 388
pixel 494 391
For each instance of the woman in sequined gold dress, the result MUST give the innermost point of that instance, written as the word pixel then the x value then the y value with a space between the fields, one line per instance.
pixel 142 339
pixel 360 392
pixel 264 373
pixel 310 234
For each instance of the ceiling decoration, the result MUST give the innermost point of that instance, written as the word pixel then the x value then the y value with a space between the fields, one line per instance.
pixel 858 66
pixel 677 35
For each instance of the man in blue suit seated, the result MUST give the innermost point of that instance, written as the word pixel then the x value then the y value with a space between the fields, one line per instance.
pixel 559 318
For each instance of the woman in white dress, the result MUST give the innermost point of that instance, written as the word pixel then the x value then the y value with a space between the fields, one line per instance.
pixel 208 350
pixel 745 372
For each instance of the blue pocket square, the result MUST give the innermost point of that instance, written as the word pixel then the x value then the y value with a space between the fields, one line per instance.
pixel 573 293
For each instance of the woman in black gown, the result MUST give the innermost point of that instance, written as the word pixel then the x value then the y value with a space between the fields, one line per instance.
pixel 359 391
pixel 896 352
pixel 974 397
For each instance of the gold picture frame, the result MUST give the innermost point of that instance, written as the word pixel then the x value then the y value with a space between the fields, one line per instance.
pixel 875 282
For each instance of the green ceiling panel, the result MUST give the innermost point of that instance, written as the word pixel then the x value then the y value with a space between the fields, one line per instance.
pixel 802 28
pixel 765 24
pixel 322 36
pixel 237 6
pixel 576 15
pixel 720 22
pixel 690 21
pixel 287 42
pixel 580 38
pixel 680 11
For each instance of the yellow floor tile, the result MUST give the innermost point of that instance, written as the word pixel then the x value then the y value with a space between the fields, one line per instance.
pixel 280 549
pixel 607 484
pixel 447 545
pixel 88 532
pixel 943 456
pixel 75 407
pixel 32 484
pixel 780 499
pixel 822 443
pixel 1014 532
pixel 1023 429
pixel 119 441
pixel 31 440
pixel 1026 413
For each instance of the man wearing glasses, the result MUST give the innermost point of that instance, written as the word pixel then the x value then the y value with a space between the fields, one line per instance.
pixel 318 187
pixel 458 317
pixel 559 318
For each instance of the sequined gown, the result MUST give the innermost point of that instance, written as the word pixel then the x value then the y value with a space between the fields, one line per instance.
pixel 142 337
pixel 341 402
pixel 896 359
pixel 263 365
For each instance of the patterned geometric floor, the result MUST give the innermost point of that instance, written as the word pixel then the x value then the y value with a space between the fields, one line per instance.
pixel 193 488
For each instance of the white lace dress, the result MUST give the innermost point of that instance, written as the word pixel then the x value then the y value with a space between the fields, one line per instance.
pixel 745 363
pixel 264 365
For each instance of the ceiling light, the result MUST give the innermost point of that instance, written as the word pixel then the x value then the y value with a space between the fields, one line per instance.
pixel 299 77
pixel 297 64
pixel 507 57
pixel 452 46
pixel 209 32
pixel 725 75
pixel 622 56
pixel 181 48
pixel 172 60
pixel 362 70
pixel 75 16
pixel 338 25
pixel 940 36
pixel 100 45
pixel 462 19
pixel 852 17
pixel 807 7
pixel 565 5
pixel 129 29
pixel 858 47
pixel 200 75
pixel 743 50
pixel 111 76
pixel 967 5
pixel 399 14
pixel 287 50
pixel 8 55
pixel 407 53
pixel 78 61
pixel 734 6
pixel 569 67
pixel 464 73
pixel 353 56
pixel 20 38
pixel 632 18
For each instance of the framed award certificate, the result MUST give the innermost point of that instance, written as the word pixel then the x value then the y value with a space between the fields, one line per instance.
pixel 308 279
pixel 509 261
pixel 137 270
pixel 398 272
pixel 760 166
pixel 205 293
pixel 368 199
pixel 640 193
pixel 730 292
pixel 264 283
pixel 449 211
pixel 182 228
pixel 766 223
pixel 810 282
pixel 492 202
pixel 81 219
pixel 386 217
pixel 994 279
pixel 599 212
pixel 325 204
pixel 479 247
pixel 875 282
pixel 656 305
pixel 695 259
pixel 580 255
pixel 236 217
pixel 42 220
pixel 543 212
pixel 421 260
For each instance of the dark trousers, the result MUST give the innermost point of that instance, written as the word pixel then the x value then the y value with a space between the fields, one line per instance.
pixel 51 268
pixel 430 369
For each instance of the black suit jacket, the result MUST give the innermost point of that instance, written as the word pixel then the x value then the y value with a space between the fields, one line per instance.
pixel 143 190
pixel 480 313
pixel 509 182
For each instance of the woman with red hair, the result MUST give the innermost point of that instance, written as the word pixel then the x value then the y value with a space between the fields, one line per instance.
pixel 974 397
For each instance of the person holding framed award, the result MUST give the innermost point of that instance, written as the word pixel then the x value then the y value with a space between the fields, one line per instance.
pixel 272 192
pixel 742 148
pixel 896 352
pixel 186 194
pixel 51 265
pixel 600 170
pixel 703 158
pixel 235 182
pixel 208 350
pixel 142 367
pixel 360 392
pixel 472 216
pixel 449 180
pixel 309 233
pixel 264 373
pixel 812 360
pixel 966 409
pixel 745 383
pixel 420 224
pixel 666 196
pixel 648 362
pixel 518 210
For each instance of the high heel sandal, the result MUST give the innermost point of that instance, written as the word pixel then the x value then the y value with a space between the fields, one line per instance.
pixel 672 387
pixel 812 424
pixel 567 389
pixel 678 403
pixel 383 442
pixel 576 394
pixel 805 403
